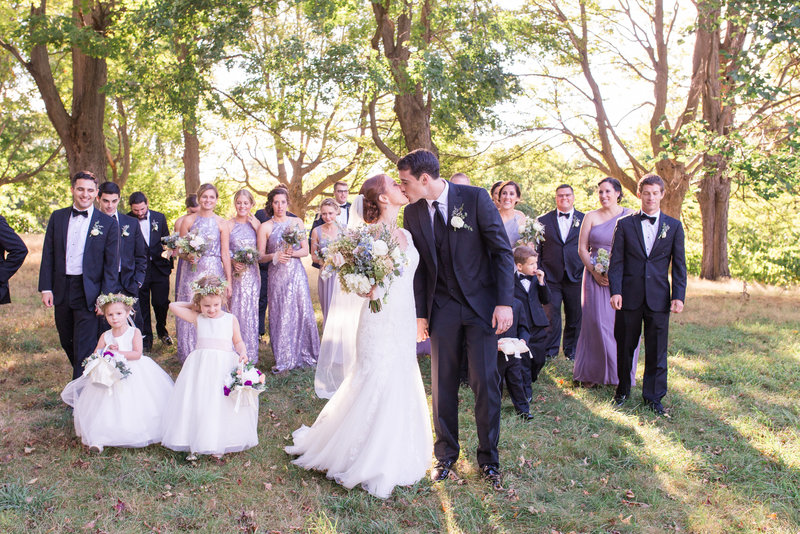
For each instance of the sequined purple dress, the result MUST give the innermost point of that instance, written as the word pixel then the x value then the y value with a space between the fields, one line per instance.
pixel 293 331
pixel 246 288
pixel 209 263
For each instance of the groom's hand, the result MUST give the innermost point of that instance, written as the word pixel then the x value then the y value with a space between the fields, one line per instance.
pixel 616 302
pixel 422 330
pixel 502 318
pixel 677 306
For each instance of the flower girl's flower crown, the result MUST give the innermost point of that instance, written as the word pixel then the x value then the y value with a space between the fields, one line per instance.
pixel 210 286
pixel 109 298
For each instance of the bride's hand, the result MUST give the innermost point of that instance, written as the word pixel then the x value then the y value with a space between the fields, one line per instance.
pixel 422 330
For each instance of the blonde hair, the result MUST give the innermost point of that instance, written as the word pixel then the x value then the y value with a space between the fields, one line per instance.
pixel 206 187
pixel 244 193
pixel 332 203
pixel 206 286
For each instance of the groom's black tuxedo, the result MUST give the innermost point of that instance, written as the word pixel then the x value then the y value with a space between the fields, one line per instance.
pixel 643 281
pixel 74 296
pixel 12 254
pixel 458 283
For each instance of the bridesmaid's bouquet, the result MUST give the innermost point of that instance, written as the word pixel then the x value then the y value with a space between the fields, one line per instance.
pixel 364 258
pixel 245 383
pixel 192 244
pixel 531 231
pixel 294 235
pixel 170 244
pixel 602 261
pixel 106 367
pixel 246 256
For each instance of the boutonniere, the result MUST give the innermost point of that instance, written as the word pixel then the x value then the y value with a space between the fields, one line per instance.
pixel 97 229
pixel 577 222
pixel 154 226
pixel 664 230
pixel 125 232
pixel 457 219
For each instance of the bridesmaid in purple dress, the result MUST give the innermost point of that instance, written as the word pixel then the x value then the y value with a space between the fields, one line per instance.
pixel 596 352
pixel 293 333
pixel 182 293
pixel 320 237
pixel 509 196
pixel 246 278
pixel 215 260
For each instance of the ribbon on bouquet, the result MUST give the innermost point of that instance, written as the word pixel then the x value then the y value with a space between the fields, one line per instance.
pixel 511 346
pixel 101 371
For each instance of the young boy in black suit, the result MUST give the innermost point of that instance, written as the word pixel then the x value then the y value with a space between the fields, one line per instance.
pixel 532 291
pixel 513 360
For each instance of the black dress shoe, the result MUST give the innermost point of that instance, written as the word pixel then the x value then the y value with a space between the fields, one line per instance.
pixel 166 340
pixel 619 400
pixel 441 470
pixel 147 347
pixel 525 416
pixel 491 473
pixel 658 408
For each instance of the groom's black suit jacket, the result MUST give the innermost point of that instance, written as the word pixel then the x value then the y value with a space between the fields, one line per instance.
pixel 133 255
pixel 640 278
pixel 482 260
pixel 100 263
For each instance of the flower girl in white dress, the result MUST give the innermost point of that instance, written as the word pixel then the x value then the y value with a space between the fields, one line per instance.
pixel 127 413
pixel 199 417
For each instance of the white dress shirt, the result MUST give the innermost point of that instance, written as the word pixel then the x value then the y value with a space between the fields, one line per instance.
pixel 649 231
pixel 144 224
pixel 77 233
pixel 526 284
pixel 442 200
pixel 341 218
pixel 565 223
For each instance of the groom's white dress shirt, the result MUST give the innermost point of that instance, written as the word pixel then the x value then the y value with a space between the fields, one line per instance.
pixel 649 231
pixel 77 228
pixel 442 200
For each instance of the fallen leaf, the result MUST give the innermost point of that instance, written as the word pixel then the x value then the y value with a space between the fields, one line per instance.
pixel 267 486
pixel 629 494
pixel 28 450
pixel 595 435
pixel 33 481
pixel 90 525
pixel 120 507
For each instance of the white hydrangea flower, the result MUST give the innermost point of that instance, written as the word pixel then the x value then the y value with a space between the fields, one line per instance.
pixel 380 248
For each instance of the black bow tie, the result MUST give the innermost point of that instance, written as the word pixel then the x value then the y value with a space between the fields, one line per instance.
pixel 562 214
pixel 528 277
pixel 651 218
pixel 84 213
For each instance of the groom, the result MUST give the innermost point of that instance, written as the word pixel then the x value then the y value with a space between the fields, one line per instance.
pixel 645 245
pixel 463 288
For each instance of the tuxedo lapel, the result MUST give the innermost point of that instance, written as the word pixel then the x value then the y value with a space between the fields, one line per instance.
pixel 637 227
pixel 572 227
pixel 64 227
pixel 555 226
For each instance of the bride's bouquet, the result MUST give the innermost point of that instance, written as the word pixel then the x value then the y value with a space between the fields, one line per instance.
pixel 531 231
pixel 170 244
pixel 245 383
pixel 602 261
pixel 364 258
pixel 246 256
pixel 192 244
pixel 106 367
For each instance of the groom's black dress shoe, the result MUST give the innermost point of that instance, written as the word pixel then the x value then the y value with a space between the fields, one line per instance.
pixel 658 408
pixel 619 400
pixel 525 416
pixel 492 475
pixel 441 470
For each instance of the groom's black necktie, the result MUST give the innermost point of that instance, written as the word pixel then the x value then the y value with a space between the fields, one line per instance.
pixel 439 228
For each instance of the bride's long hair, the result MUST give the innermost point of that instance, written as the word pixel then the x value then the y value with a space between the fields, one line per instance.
pixel 371 189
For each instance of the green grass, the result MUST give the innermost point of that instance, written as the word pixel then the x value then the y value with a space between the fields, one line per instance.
pixel 727 461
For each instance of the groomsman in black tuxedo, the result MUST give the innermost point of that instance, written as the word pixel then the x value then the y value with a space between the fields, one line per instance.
pixel 340 192
pixel 645 244
pixel 155 288
pixel 12 254
pixel 132 254
pixel 563 269
pixel 464 290
pixel 79 262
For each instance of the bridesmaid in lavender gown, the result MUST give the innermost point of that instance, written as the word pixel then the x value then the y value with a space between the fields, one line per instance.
pixel 293 333
pixel 596 352
pixel 247 278
pixel 320 237
pixel 509 197
pixel 182 293
pixel 215 260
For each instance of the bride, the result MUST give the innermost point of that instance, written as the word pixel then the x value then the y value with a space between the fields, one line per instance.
pixel 375 430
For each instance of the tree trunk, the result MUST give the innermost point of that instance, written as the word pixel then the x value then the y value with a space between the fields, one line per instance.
pixel 191 158
pixel 676 183
pixel 415 121
pixel 714 197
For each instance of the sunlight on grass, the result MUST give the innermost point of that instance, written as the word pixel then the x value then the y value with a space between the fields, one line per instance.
pixel 447 509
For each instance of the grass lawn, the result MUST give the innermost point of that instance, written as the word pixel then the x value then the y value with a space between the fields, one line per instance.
pixel 727 461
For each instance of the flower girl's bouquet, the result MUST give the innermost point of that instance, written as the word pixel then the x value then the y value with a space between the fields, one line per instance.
pixel 602 261
pixel 106 367
pixel 293 236
pixel 170 244
pixel 246 256
pixel 531 231
pixel 245 383
pixel 363 258
pixel 192 244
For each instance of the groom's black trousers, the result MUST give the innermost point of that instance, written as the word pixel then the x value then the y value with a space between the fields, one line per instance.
pixel 454 326
pixel 627 330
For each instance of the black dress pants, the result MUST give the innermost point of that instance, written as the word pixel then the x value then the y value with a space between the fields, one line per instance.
pixel 76 324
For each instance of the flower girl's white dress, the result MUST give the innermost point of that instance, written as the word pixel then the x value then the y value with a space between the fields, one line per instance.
pixel 128 414
pixel 199 418
pixel 376 431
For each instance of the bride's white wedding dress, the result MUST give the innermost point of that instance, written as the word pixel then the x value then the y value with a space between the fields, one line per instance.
pixel 376 430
